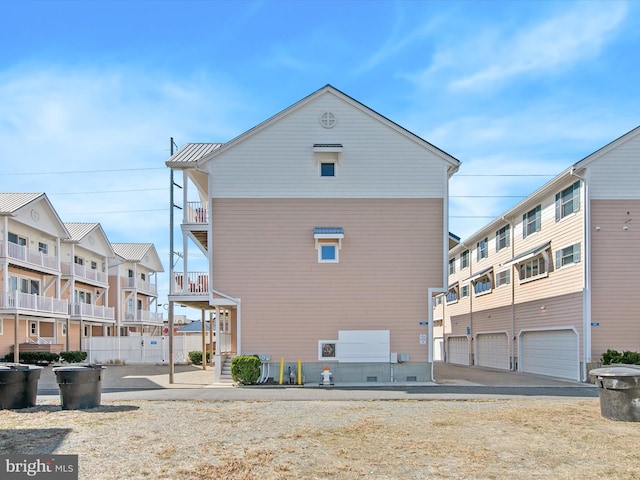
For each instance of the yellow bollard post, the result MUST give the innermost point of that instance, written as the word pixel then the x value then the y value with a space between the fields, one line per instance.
pixel 281 370
pixel 299 372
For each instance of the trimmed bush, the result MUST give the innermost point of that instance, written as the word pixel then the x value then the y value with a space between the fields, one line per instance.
pixel 245 369
pixel 627 357
pixel 73 356
pixel 34 358
pixel 195 357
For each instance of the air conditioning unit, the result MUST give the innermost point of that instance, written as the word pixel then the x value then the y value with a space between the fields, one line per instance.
pixel 403 357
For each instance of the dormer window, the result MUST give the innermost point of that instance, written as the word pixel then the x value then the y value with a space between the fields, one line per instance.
pixel 327 155
pixel 328 243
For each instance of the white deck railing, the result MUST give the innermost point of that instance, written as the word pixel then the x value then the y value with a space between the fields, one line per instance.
pixel 196 212
pixel 22 253
pixel 197 282
pixel 89 310
pixel 33 302
pixel 81 271
pixel 142 285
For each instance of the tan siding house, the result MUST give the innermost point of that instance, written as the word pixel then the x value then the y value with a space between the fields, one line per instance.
pixel 561 290
pixel 325 230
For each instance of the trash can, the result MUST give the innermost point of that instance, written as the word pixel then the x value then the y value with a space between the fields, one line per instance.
pixel 18 385
pixel 619 392
pixel 80 386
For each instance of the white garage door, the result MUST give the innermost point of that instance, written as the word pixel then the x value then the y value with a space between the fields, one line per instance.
pixel 438 349
pixel 458 350
pixel 492 350
pixel 552 352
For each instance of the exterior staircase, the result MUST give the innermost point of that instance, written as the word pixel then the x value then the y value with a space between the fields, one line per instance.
pixel 225 375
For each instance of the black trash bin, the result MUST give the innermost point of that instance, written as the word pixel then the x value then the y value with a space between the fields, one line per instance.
pixel 18 385
pixel 619 392
pixel 80 386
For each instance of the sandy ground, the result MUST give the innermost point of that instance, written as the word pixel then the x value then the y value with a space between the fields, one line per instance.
pixel 514 438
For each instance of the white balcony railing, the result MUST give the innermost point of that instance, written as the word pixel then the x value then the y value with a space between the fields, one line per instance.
pixel 32 302
pixel 197 283
pixel 196 212
pixel 144 316
pixel 95 311
pixel 144 286
pixel 22 253
pixel 82 272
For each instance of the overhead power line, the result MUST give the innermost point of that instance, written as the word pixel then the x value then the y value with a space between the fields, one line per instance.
pixel 86 171
pixel 108 191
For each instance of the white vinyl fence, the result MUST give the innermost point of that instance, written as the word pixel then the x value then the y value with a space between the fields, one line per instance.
pixel 140 349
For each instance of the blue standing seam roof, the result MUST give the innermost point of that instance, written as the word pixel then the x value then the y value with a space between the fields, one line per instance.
pixel 327 230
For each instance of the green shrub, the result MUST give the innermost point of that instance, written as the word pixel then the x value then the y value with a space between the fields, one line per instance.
pixel 245 369
pixel 73 356
pixel 195 357
pixel 34 358
pixel 627 357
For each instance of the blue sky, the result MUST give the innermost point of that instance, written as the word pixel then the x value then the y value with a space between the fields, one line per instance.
pixel 91 91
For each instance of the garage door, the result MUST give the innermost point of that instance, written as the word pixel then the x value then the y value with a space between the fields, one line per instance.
pixel 493 350
pixel 552 352
pixel 458 350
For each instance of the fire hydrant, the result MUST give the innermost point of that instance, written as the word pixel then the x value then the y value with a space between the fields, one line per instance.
pixel 326 376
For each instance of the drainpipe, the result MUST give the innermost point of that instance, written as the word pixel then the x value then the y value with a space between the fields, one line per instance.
pixel 513 295
pixel 586 296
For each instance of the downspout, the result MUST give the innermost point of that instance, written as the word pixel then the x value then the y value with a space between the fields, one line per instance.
pixel 586 296
pixel 512 279
pixel 445 270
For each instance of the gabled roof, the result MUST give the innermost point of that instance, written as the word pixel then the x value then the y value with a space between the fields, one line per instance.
pixel 607 148
pixel 14 205
pixel 80 230
pixel 190 153
pixel 143 253
pixel 11 202
pixel 453 162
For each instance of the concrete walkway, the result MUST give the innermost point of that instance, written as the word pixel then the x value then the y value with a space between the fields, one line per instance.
pixel 151 382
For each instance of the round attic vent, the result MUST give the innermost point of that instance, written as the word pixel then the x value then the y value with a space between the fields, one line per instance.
pixel 328 120
pixel 35 215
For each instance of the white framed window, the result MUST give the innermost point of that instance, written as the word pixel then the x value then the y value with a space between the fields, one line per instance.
pixel 33 329
pixel 464 259
pixel 531 221
pixel 482 285
pixel 17 239
pixel 327 350
pixel 328 169
pixel 452 266
pixel 78 260
pixel 568 201
pixel 464 291
pixel 94 265
pixel 568 255
pixel 43 248
pixel 533 269
pixel 328 242
pixel 82 296
pixel 502 238
pixel 328 252
pixel 64 329
pixel 503 278
pixel 452 294
pixel 482 248
pixel 327 156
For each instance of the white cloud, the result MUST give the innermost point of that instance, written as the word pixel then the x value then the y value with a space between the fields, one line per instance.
pixel 485 58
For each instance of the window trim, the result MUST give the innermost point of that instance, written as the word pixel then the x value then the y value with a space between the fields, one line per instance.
pixel 464 291
pixel 464 259
pixel 321 344
pixel 532 217
pixel 454 290
pixel 536 258
pixel 503 234
pixel 477 281
pixel 452 266
pixel 559 256
pixel 328 243
pixel 572 191
pixel 507 273
pixel 480 249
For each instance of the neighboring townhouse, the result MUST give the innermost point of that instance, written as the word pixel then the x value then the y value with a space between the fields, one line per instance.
pixel 133 290
pixel 85 280
pixel 325 233
pixel 33 312
pixel 548 286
